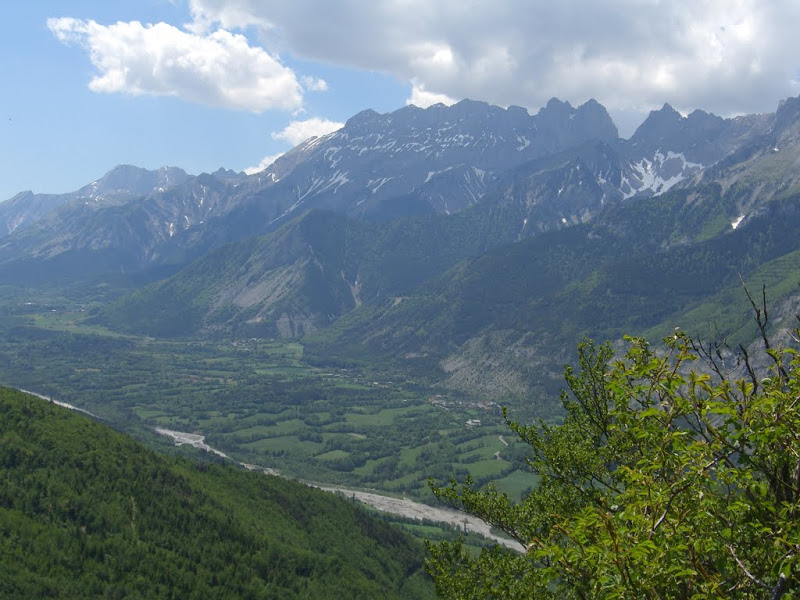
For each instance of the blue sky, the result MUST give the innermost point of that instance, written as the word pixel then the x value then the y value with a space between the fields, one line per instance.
pixel 203 84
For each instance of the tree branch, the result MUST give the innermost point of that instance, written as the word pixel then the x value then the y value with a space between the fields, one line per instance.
pixel 780 589
pixel 746 572
pixel 762 319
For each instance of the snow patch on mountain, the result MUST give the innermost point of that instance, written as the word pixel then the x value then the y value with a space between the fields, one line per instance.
pixel 432 174
pixel 15 222
pixel 338 180
pixel 474 184
pixel 376 184
pixel 658 175
pixel 288 211
pixel 330 153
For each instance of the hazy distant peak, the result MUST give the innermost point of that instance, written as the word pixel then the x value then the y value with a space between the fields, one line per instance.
pixel 362 118
pixel 518 111
pixel 555 103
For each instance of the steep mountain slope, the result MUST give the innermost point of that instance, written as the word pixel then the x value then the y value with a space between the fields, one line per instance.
pixel 375 158
pixel 305 275
pixel 319 267
pixel 86 513
pixel 285 284
pixel 495 324
pixel 425 256
pixel 84 238
pixel 766 167
pixel 470 293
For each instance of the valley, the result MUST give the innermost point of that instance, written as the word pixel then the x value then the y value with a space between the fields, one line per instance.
pixel 369 313
pixel 402 507
pixel 260 403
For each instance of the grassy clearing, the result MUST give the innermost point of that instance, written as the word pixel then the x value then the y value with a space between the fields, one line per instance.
pixel 517 483
pixel 332 455
pixel 382 417
pixel 410 456
pixel 293 444
pixel 147 413
pixel 487 468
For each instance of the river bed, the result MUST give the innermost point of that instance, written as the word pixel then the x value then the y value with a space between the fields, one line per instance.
pixel 403 507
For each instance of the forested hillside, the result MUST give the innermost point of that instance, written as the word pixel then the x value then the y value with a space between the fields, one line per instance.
pixel 86 512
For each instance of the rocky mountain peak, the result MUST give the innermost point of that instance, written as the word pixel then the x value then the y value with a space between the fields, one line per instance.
pixel 128 180
pixel 593 120
pixel 363 119
pixel 565 126
pixel 120 185
pixel 467 107
pixel 550 170
pixel 658 125
pixel 415 160
pixel 787 118
pixel 20 197
pixel 701 138
pixel 555 110
pixel 229 175
pixel 518 112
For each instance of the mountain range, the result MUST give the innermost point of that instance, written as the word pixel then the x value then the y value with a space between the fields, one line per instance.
pixel 460 240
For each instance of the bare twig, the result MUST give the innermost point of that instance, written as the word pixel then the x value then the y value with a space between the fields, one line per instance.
pixel 762 319
pixel 686 485
pixel 750 371
pixel 707 354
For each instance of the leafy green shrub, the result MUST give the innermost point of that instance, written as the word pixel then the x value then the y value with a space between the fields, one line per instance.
pixel 662 482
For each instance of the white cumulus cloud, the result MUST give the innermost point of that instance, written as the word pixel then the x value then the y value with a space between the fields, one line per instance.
pixel 265 162
pixel 299 131
pixel 219 69
pixel 295 133
pixel 726 56
pixel 423 98
pixel 313 84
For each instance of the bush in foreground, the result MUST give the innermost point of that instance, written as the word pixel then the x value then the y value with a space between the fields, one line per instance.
pixel 663 481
